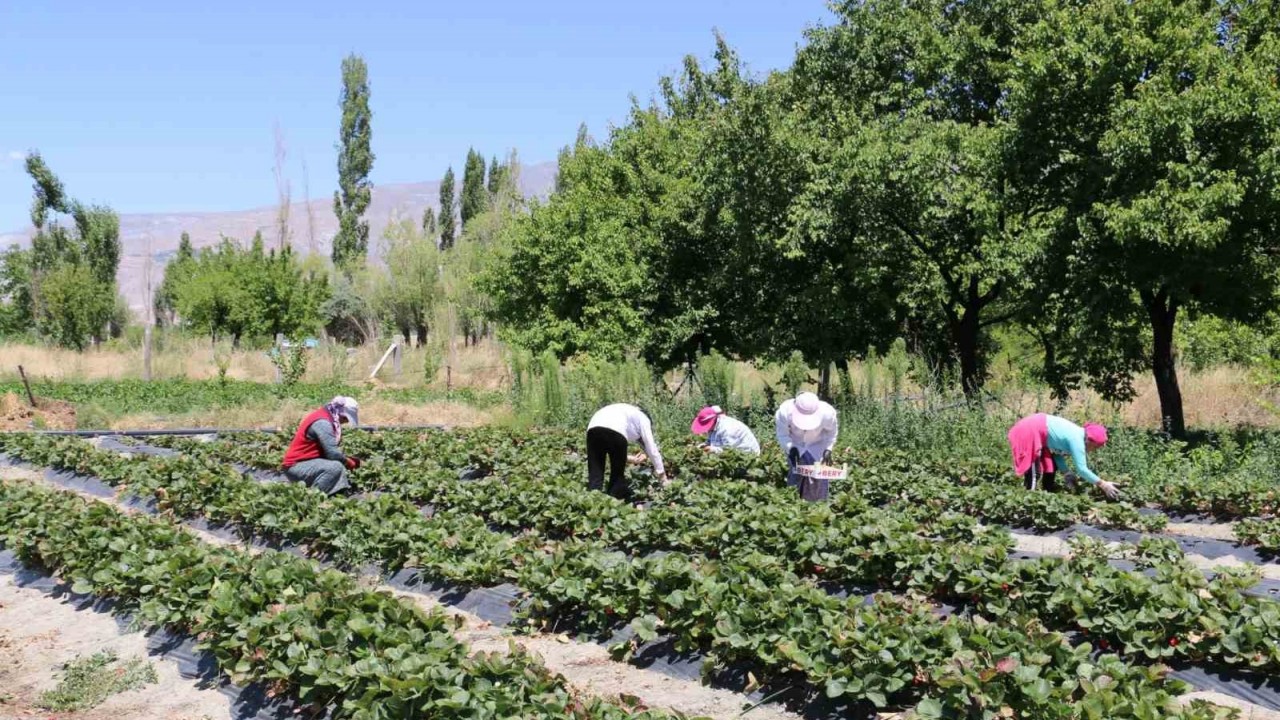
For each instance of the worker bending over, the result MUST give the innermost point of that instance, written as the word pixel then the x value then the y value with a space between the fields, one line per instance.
pixel 1040 444
pixel 608 433
pixel 725 433
pixel 807 429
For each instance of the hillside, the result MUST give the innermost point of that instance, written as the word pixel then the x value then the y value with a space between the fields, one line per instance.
pixel 157 234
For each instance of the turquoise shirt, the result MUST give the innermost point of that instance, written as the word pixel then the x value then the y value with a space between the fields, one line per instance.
pixel 1067 438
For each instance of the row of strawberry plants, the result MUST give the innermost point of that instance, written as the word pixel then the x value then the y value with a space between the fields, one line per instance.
pixel 222 489
pixel 423 468
pixel 699 618
pixel 776 528
pixel 1160 617
pixel 714 518
pixel 886 652
pixel 1263 533
pixel 1177 481
pixel 283 621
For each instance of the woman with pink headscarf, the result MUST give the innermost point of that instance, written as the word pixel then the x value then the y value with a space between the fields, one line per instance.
pixel 1041 444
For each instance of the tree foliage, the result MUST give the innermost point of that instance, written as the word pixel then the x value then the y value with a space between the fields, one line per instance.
pixel 64 285
pixel 1152 128
pixel 412 287
pixel 429 227
pixel 176 273
pixel 474 193
pixel 494 180
pixel 448 212
pixel 1080 171
pixel 237 292
pixel 355 162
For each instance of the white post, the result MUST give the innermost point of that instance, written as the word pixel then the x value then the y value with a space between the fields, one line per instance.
pixel 385 355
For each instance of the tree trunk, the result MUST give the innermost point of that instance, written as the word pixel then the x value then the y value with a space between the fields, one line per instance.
pixel 824 381
pixel 965 332
pixel 1163 312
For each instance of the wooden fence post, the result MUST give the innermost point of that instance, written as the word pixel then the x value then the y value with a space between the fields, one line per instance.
pixel 30 397
pixel 373 373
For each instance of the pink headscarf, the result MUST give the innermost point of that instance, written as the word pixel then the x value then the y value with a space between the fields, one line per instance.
pixel 1095 433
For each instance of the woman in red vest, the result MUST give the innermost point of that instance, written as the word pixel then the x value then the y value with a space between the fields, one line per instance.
pixel 314 457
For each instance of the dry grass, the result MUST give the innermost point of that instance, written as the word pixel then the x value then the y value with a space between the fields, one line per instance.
pixel 285 414
pixel 1214 398
pixel 482 367
pixel 1221 396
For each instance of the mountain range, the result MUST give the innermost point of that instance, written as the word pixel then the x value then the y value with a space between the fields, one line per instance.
pixel 312 225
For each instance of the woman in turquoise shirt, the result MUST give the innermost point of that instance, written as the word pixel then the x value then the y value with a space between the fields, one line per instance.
pixel 1041 444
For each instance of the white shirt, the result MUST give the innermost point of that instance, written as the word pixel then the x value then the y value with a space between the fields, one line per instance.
pixel 816 441
pixel 733 434
pixel 629 422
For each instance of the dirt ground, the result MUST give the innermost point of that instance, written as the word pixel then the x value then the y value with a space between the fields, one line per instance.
pixel 17 414
pixel 1047 545
pixel 38 634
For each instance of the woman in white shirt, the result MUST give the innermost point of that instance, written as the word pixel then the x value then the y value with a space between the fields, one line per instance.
pixel 608 434
pixel 807 430
pixel 725 432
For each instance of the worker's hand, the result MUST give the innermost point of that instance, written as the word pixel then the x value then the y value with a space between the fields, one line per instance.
pixel 636 459
pixel 826 457
pixel 793 456
pixel 1109 489
pixel 352 462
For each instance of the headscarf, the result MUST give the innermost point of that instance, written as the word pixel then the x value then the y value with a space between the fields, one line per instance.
pixel 1095 433
pixel 340 407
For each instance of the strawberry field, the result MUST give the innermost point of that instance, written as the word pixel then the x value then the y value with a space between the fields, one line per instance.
pixel 907 593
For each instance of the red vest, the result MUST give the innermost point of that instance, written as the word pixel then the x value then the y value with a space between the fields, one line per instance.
pixel 303 447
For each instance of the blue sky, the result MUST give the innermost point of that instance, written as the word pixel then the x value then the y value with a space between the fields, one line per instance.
pixel 170 106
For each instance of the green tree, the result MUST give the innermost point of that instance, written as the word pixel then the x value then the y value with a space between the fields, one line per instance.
pixel 17 315
pixel 232 291
pixel 487 240
pixel 89 254
pixel 430 230
pixel 1152 128
pixel 176 272
pixel 411 289
pixel 287 298
pixel 618 260
pixel 474 197
pixel 904 103
pixel 99 231
pixel 75 306
pixel 562 158
pixel 216 299
pixel 349 314
pixel 355 162
pixel 496 172
pixel 448 214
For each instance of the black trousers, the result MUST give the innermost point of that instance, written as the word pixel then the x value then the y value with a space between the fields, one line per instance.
pixel 1048 480
pixel 602 444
